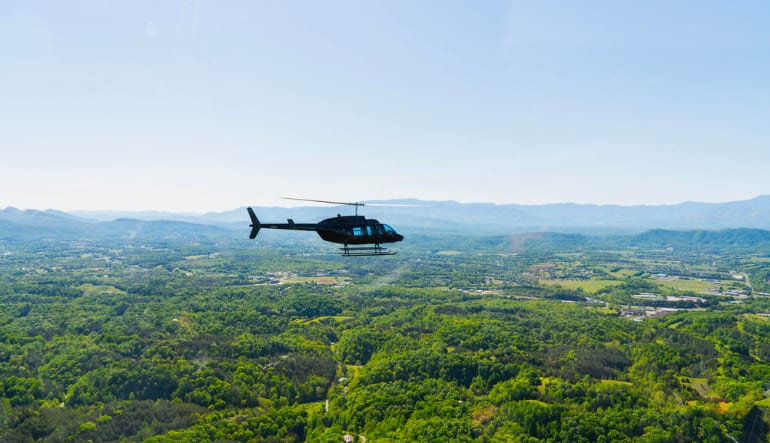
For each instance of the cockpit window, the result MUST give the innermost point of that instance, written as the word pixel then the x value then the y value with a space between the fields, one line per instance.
pixel 388 229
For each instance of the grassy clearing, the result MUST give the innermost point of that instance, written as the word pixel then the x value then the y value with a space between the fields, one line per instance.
pixel 675 324
pixel 589 286
pixel 694 285
pixel 89 289
pixel 337 318
pixel 323 280
pixel 616 382
pixel 700 385
pixel 605 311
pixel 537 402
pixel 760 318
pixel 483 415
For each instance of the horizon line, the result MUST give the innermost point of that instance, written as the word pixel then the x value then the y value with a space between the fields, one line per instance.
pixel 200 213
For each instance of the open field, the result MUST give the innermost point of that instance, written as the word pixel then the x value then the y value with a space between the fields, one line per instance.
pixel 90 289
pixel 621 273
pixel 589 286
pixel 321 280
pixel 699 286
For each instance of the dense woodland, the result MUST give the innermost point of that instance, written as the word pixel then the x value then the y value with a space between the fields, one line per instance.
pixel 177 337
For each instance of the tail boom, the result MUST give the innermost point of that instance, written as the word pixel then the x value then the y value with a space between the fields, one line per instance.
pixel 256 225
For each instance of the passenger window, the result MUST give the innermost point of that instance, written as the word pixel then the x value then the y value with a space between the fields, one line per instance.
pixel 357 232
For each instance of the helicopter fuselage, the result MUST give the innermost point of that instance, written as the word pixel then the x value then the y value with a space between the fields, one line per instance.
pixel 356 230
pixel 344 229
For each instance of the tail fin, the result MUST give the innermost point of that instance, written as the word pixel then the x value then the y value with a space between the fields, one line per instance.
pixel 255 224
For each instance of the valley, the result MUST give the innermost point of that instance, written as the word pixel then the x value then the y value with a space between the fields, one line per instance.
pixel 184 337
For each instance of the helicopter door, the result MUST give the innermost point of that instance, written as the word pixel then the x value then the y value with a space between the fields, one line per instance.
pixel 369 231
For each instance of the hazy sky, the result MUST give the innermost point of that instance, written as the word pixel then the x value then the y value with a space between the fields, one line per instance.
pixel 210 105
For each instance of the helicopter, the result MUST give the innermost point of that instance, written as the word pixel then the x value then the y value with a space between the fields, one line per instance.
pixel 345 229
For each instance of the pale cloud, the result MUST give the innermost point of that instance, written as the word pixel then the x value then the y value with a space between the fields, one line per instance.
pixel 151 29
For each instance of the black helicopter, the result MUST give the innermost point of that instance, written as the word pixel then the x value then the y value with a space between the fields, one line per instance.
pixel 345 229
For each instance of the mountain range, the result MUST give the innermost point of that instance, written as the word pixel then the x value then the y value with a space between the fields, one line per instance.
pixel 740 225
pixel 490 219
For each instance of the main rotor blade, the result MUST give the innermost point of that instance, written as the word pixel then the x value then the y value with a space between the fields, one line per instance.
pixel 324 201
pixel 401 205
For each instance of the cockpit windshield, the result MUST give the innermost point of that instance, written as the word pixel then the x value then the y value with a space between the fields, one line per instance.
pixel 388 229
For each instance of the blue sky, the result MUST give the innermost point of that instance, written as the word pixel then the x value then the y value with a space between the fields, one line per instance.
pixel 203 106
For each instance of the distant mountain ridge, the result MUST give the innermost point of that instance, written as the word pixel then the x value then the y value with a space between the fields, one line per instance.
pixel 31 224
pixel 20 227
pixel 488 218
pixel 721 240
pixel 465 218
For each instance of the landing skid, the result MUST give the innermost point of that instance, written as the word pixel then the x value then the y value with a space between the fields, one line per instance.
pixel 365 251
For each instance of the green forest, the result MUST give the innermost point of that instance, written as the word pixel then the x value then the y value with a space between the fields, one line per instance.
pixel 212 337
